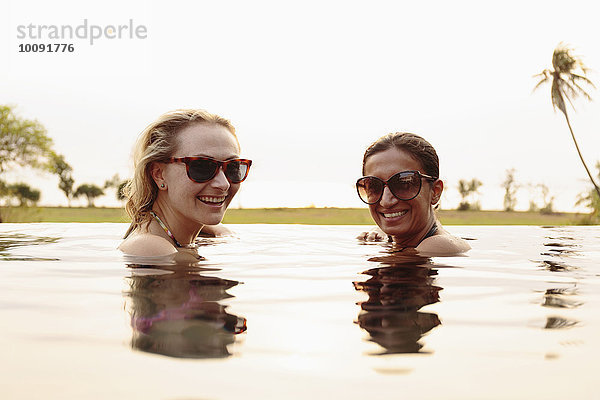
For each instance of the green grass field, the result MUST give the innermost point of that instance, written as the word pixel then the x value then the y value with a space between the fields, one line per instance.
pixel 63 214
pixel 310 216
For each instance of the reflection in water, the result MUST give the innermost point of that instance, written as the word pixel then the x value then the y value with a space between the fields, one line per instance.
pixel 556 266
pixel 561 248
pixel 559 323
pixel 175 311
pixel 397 290
pixel 561 298
pixel 561 245
pixel 14 240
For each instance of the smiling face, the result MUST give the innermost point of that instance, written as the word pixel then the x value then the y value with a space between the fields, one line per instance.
pixel 406 221
pixel 189 202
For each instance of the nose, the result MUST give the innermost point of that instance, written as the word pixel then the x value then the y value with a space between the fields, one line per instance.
pixel 387 198
pixel 220 181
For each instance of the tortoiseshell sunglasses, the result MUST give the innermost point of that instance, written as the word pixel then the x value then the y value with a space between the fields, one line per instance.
pixel 203 169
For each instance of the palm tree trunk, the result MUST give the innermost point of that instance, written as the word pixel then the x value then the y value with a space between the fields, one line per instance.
pixel 580 156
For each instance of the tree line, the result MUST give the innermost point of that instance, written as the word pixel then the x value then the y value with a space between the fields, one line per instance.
pixel 541 201
pixel 26 143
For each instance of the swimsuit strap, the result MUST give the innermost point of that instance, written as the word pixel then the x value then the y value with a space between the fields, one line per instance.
pixel 166 229
pixel 430 232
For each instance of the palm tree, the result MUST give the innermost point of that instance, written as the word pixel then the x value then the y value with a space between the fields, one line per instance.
pixel 565 85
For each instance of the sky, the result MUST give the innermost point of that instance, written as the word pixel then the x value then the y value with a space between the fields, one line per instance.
pixel 308 86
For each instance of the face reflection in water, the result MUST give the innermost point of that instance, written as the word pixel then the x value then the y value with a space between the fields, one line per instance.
pixel 178 314
pixel 396 293
pixel 518 308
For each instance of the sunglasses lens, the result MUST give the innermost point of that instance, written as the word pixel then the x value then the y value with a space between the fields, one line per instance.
pixel 236 171
pixel 405 185
pixel 202 170
pixel 370 189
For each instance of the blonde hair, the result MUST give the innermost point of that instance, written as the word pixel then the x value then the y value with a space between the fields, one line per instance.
pixel 157 143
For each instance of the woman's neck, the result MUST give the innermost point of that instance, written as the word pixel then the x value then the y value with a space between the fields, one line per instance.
pixel 415 240
pixel 181 229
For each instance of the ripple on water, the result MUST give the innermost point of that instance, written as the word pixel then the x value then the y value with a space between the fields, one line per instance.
pixel 11 241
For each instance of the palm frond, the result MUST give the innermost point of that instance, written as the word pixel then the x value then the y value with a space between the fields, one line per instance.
pixel 567 82
pixel 583 78
pixel 545 73
pixel 569 99
pixel 557 96
pixel 581 91
pixel 562 60
pixel 568 90
pixel 541 82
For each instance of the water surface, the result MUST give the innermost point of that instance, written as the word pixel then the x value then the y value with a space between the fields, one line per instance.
pixel 290 311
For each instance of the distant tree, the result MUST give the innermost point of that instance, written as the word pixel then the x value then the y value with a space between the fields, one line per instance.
pixel 542 192
pixel 3 189
pixel 591 199
pixel 566 85
pixel 24 194
pixel 118 184
pixel 90 191
pixel 59 166
pixel 120 191
pixel 533 207
pixel 112 182
pixel 547 200
pixel 22 142
pixel 533 191
pixel 3 192
pixel 466 190
pixel 510 190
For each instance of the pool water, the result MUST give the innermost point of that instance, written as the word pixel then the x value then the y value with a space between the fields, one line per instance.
pixel 296 312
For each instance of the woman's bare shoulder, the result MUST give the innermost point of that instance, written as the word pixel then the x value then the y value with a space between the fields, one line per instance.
pixel 147 244
pixel 443 244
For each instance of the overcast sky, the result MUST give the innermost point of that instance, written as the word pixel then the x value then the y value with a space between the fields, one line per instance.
pixel 309 85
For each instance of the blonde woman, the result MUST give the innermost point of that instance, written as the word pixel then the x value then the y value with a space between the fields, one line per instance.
pixel 187 169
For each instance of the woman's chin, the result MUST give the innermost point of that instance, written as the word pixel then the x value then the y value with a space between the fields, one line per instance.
pixel 393 230
pixel 212 221
pixel 398 234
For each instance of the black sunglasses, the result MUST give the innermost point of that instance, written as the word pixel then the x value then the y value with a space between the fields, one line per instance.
pixel 404 185
pixel 203 169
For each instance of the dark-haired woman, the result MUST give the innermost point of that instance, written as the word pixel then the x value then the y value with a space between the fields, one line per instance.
pixel 401 184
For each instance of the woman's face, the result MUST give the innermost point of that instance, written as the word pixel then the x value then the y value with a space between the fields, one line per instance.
pixel 199 203
pixel 406 221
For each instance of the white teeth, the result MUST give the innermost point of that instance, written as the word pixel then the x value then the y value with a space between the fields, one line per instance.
pixel 211 199
pixel 396 214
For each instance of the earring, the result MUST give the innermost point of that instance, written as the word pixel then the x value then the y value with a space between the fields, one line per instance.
pixel 162 185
